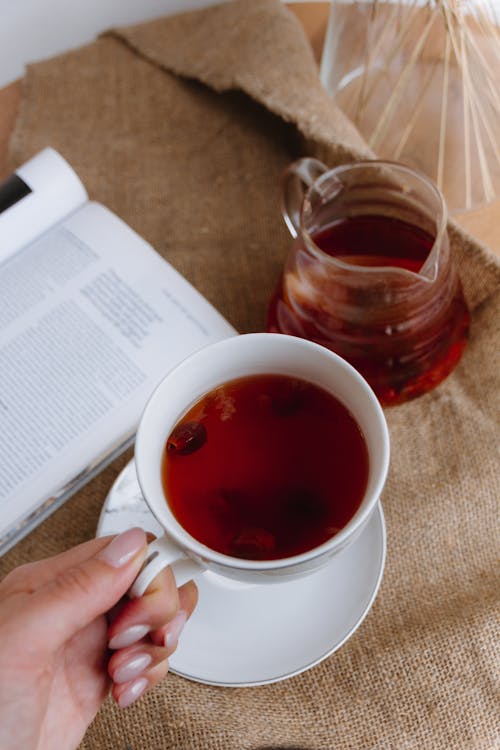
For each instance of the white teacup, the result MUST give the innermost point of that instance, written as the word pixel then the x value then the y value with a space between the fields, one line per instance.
pixel 236 357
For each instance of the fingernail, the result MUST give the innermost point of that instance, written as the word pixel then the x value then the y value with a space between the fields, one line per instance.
pixel 132 668
pixel 134 691
pixel 175 629
pixel 123 547
pixel 130 635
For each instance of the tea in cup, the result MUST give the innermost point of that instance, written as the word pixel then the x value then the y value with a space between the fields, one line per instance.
pixel 261 456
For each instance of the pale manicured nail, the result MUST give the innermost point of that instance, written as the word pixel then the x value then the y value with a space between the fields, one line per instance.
pixel 123 548
pixel 132 668
pixel 134 691
pixel 131 635
pixel 175 629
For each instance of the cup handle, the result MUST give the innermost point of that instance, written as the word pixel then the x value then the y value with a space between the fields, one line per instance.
pixel 297 178
pixel 161 553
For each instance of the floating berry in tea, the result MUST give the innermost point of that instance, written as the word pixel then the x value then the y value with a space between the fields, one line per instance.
pixel 302 504
pixel 186 438
pixel 280 471
pixel 253 544
pixel 287 399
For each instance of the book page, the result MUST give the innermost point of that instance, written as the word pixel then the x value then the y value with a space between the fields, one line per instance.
pixel 91 319
pixel 39 194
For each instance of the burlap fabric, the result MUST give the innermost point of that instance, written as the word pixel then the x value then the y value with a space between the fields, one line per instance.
pixel 182 126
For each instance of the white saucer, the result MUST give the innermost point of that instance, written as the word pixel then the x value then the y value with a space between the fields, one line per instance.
pixel 241 636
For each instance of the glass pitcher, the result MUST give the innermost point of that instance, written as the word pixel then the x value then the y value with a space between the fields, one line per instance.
pixel 370 274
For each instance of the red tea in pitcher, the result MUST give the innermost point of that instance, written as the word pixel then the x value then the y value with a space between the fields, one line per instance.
pixel 265 467
pixel 370 274
pixel 376 241
pixel 400 357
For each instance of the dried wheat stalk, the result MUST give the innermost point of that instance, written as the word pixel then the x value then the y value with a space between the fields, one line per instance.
pixel 469 39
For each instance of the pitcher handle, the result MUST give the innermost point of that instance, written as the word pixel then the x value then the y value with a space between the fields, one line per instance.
pixel 296 180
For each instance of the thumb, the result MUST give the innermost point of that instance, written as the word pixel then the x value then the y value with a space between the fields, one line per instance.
pixel 82 592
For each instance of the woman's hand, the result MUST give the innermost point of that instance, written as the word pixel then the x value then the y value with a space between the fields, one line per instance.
pixel 55 664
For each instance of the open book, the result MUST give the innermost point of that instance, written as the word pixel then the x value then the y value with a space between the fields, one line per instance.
pixel 91 319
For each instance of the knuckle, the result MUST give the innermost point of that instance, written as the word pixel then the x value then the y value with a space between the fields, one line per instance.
pixel 161 599
pixel 19 579
pixel 163 611
pixel 162 608
pixel 76 581
pixel 169 606
pixel 188 595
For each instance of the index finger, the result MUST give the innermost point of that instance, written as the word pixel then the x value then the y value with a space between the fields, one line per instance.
pixel 31 576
